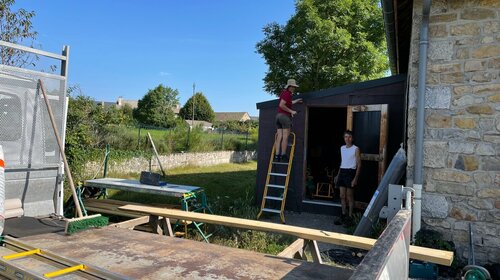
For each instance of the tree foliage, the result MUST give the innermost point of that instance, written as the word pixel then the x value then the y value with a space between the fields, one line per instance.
pixel 156 107
pixel 324 44
pixel 202 109
pixel 15 27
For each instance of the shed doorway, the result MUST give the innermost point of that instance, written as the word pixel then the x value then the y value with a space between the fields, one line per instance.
pixel 325 128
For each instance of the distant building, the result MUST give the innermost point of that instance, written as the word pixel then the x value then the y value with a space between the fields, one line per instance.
pixel 206 126
pixel 122 102
pixel 232 116
pixel 104 103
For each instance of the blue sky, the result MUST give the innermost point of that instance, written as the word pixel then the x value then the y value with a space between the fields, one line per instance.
pixel 124 48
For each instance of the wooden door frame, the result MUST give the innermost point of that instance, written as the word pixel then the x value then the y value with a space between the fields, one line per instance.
pixel 381 157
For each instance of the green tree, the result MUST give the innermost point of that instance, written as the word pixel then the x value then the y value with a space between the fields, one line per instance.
pixel 202 109
pixel 15 27
pixel 324 44
pixel 156 107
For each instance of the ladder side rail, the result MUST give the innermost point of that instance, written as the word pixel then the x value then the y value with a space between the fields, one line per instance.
pixel 287 180
pixel 268 178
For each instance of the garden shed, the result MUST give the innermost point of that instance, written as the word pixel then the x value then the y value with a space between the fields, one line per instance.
pixel 373 110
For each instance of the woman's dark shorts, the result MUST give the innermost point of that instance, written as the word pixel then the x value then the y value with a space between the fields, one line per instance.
pixel 283 121
pixel 345 177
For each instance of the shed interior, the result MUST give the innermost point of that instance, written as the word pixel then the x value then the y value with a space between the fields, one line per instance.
pixel 326 126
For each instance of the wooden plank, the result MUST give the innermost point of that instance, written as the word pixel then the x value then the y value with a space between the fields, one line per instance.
pixel 130 224
pixel 367 108
pixel 349 118
pixel 156 154
pixel 431 255
pixel 383 141
pixel 297 247
pixel 313 248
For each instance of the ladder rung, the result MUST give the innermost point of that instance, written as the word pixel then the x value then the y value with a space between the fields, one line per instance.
pixel 280 163
pixel 278 174
pixel 65 271
pixel 22 254
pixel 271 210
pixel 276 186
pixel 274 198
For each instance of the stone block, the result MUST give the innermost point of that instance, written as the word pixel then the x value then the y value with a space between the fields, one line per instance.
pixel 485 149
pixel 464 101
pixel 477 14
pixel 467 41
pixel 483 77
pixel 497 204
pixel 435 154
pixel 482 178
pixel 438 120
pixel 483 3
pixel 486 89
pixel 494 63
pixel 475 65
pixel 489 193
pixel 486 51
pixel 480 109
pixel 481 204
pixel 486 124
pixel 466 163
pixel 434 206
pixel 464 213
pixel 465 123
pixel 460 135
pixel 494 98
pixel 432 79
pixel 443 50
pixel 438 97
pixel 487 40
pixel 441 223
pixel 454 189
pixel 491 27
pixel 462 53
pixel 497 121
pixel 467 29
pixel 461 90
pixel 444 68
pixel 492 138
pixel 451 176
pixel 443 18
pixel 497 179
pixel 490 163
pixel 438 31
pixel 452 78
pixel 461 147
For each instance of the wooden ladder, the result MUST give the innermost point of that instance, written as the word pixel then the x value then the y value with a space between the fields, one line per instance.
pixel 276 192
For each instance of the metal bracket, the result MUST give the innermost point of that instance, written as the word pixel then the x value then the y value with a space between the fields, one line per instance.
pixel 395 198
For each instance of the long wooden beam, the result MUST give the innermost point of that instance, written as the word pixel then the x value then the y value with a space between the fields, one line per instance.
pixel 418 253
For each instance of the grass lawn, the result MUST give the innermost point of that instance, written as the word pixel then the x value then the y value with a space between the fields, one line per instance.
pixel 230 191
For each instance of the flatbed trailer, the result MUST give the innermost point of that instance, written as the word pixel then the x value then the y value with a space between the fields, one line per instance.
pixel 140 255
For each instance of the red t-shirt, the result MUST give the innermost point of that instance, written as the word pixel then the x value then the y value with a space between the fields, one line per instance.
pixel 287 96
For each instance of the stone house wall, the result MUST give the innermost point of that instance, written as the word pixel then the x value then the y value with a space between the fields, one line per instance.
pixel 136 165
pixel 462 123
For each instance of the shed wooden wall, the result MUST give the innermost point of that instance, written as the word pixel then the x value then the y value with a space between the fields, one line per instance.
pixel 389 90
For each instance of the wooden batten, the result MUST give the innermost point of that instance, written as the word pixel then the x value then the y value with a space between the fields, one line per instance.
pixel 418 253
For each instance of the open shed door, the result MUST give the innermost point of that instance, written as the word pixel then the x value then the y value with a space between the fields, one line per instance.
pixel 369 126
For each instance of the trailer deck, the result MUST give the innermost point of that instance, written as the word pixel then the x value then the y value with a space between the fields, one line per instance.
pixel 140 255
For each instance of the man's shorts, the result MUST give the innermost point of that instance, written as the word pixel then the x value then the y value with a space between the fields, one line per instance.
pixel 345 177
pixel 283 121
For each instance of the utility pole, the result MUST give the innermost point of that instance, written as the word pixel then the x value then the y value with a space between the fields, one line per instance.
pixel 192 121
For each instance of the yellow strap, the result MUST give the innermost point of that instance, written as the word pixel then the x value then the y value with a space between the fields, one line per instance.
pixel 22 254
pixel 65 271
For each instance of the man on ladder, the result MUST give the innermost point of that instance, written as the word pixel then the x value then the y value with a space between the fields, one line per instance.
pixel 284 120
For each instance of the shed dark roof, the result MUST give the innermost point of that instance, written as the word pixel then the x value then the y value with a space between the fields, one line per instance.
pixel 339 90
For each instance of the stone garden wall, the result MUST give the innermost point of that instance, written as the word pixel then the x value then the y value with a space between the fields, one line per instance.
pixel 136 165
pixel 462 123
